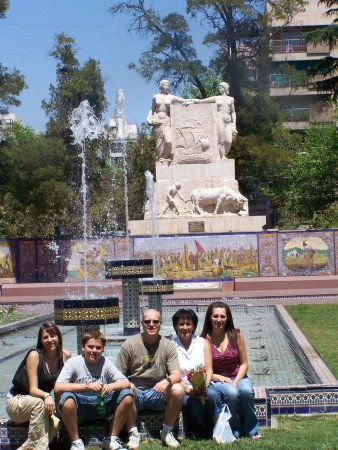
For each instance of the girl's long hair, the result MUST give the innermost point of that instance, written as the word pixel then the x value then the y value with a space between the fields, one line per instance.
pixel 230 329
pixel 53 330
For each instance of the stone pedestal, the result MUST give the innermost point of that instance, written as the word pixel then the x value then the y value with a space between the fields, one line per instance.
pixel 198 225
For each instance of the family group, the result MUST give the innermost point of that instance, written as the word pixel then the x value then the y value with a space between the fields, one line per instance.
pixel 197 373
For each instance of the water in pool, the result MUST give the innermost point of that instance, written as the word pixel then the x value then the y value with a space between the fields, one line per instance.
pixel 271 357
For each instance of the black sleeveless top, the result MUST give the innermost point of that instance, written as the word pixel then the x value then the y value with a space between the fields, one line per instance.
pixel 46 380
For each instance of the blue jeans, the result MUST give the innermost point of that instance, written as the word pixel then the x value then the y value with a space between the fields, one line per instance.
pixel 86 405
pixel 203 415
pixel 149 399
pixel 241 403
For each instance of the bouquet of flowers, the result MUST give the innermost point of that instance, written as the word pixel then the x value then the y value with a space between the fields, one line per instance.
pixel 198 379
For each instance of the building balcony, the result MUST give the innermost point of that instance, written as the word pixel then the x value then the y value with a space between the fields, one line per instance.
pixel 288 46
pixel 297 115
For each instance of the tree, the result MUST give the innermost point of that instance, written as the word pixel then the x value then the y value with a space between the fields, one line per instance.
pixel 239 33
pixel 327 68
pixel 36 197
pixel 313 177
pixel 74 84
pixel 11 81
pixel 303 184
pixel 171 53
pixel 140 158
pixel 4 5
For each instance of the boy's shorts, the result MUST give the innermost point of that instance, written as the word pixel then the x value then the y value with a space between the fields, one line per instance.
pixel 86 405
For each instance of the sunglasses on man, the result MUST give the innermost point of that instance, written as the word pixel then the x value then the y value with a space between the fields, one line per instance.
pixel 148 322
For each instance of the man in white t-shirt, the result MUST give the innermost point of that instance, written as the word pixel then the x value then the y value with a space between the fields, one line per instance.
pixel 79 384
pixel 151 364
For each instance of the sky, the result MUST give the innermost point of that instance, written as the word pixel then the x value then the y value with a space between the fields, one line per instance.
pixel 28 33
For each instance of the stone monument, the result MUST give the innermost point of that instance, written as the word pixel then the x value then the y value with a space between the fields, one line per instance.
pixel 196 190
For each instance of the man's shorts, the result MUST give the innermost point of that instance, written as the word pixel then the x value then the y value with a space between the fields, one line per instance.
pixel 149 399
pixel 86 405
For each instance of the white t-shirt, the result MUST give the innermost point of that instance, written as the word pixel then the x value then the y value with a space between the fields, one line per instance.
pixel 77 370
pixel 191 358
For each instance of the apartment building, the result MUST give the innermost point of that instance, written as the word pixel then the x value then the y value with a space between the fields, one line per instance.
pixel 302 105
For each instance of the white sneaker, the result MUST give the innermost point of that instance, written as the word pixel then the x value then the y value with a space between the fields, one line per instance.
pixel 78 445
pixel 168 439
pixel 115 444
pixel 134 441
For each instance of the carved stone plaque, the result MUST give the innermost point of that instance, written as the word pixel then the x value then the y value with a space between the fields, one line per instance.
pixel 194 134
pixel 196 227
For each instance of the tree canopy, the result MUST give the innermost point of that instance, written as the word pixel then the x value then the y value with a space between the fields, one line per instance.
pixel 171 52
pixel 12 82
pixel 326 69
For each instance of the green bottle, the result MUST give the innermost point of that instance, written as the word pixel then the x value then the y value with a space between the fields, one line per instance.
pixel 101 409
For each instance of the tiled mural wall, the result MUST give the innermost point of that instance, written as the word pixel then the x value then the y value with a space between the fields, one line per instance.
pixel 181 258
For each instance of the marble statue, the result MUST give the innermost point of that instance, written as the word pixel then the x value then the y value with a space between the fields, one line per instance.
pixel 226 120
pixel 223 199
pixel 159 118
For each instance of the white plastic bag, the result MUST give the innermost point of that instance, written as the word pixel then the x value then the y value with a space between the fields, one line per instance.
pixel 222 431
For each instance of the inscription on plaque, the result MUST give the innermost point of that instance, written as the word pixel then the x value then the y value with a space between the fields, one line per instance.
pixel 196 227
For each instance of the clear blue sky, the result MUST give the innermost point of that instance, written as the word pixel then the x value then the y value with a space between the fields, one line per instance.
pixel 28 34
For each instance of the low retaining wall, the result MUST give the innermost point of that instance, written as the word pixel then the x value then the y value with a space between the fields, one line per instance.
pixel 12 435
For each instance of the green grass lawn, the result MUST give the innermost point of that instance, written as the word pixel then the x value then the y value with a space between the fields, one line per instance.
pixel 319 323
pixel 9 314
pixel 293 433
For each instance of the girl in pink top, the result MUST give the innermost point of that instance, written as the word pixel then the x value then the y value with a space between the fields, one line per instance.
pixel 230 366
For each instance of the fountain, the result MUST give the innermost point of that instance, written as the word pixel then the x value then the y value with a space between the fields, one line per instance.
pixel 85 312
pixel 129 270
pixel 155 287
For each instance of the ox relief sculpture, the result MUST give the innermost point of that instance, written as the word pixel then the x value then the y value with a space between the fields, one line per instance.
pixel 220 199
pixel 204 202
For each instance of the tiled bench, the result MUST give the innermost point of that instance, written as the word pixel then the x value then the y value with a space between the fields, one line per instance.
pixel 12 436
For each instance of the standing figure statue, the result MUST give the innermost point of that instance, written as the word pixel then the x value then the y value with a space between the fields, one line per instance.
pixel 226 119
pixel 159 119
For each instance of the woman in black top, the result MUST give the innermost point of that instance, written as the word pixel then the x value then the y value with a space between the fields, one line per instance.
pixel 31 399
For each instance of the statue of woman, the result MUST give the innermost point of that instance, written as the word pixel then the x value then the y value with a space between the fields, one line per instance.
pixel 159 119
pixel 226 120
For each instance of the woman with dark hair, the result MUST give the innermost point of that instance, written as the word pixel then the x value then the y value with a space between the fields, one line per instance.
pixel 194 352
pixel 30 399
pixel 230 366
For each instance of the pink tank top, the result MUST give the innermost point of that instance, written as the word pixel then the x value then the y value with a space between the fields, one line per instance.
pixel 226 363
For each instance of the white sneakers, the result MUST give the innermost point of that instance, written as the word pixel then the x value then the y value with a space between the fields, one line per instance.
pixel 78 445
pixel 168 439
pixel 115 444
pixel 134 441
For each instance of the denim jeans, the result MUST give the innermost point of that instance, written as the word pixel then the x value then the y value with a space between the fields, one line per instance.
pixel 241 403
pixel 149 399
pixel 203 415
